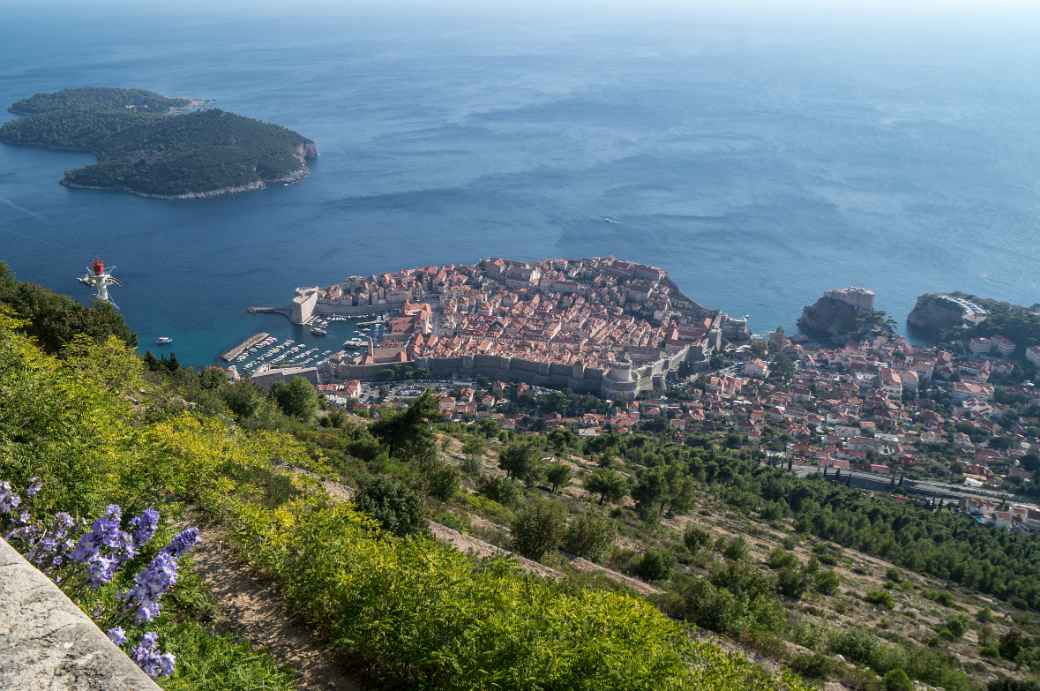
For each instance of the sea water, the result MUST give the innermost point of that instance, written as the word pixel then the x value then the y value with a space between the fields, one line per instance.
pixel 759 163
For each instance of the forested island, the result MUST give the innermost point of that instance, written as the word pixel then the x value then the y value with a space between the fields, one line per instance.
pixel 154 146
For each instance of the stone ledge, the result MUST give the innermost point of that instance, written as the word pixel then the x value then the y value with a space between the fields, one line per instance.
pixel 47 642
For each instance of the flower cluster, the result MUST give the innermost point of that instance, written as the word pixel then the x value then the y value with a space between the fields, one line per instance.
pixel 150 585
pixel 117 635
pixel 54 545
pixel 9 499
pixel 102 550
pixel 148 657
pixel 105 547
pixel 184 541
pixel 143 527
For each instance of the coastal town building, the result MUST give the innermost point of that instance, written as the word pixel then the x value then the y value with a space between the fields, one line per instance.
pixel 598 325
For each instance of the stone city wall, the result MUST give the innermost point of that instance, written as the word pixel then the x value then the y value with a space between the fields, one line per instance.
pixel 619 383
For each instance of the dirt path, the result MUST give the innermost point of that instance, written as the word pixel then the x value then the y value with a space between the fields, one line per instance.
pixel 641 587
pixel 255 609
pixel 483 550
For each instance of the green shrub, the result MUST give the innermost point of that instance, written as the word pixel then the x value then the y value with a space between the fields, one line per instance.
pixel 826 582
pixel 735 548
pixel 397 508
pixel 414 609
pixel 501 489
pixel 538 528
pixel 897 680
pixel 813 665
pixel 880 598
pixel 590 535
pixel 696 538
pixel 792 582
pixel 442 481
pixel 781 559
pixel 856 645
pixel 954 628
pixel 654 565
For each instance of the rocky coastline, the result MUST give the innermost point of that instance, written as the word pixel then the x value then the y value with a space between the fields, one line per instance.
pixel 937 313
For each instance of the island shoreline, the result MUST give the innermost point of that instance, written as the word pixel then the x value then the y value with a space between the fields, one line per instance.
pixel 296 176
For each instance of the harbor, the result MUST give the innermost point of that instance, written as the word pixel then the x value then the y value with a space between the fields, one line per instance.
pixel 234 353
pixel 304 345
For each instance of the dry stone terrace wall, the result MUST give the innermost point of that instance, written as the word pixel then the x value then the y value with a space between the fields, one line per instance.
pixel 47 642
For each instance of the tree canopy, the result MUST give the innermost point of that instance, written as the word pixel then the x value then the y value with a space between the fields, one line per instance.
pixel 54 319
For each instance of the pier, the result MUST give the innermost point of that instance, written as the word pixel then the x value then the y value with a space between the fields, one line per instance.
pixel 245 345
pixel 267 309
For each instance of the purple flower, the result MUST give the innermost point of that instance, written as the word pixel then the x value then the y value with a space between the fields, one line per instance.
pixel 185 540
pixel 166 664
pixel 105 533
pixel 147 611
pixel 62 524
pixel 149 640
pixel 34 487
pixel 26 532
pixel 109 531
pixel 54 545
pixel 117 635
pixel 86 548
pixel 147 656
pixel 9 501
pixel 151 584
pixel 144 526
pixel 101 570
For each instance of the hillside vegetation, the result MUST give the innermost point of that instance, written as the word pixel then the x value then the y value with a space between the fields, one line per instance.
pixel 93 427
pixel 99 100
pixel 1015 322
pixel 144 146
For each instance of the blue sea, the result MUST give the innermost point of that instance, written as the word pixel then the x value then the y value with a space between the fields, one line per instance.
pixel 760 160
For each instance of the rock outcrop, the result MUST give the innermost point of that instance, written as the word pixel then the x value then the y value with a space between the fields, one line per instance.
pixel 937 313
pixel 839 314
pixel 46 642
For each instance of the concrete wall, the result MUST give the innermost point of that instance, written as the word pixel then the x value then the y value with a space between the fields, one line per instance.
pixel 46 642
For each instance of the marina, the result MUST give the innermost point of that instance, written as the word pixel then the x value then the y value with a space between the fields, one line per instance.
pixel 233 353
pixel 305 346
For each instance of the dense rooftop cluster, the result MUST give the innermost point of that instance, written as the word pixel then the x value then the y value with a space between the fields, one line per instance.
pixel 597 312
